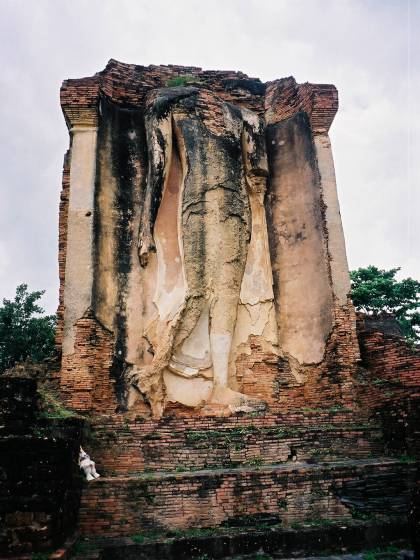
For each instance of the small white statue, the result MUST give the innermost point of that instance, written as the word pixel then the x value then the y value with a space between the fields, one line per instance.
pixel 88 466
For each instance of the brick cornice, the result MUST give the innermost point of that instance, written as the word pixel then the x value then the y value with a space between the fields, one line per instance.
pixel 80 102
pixel 284 98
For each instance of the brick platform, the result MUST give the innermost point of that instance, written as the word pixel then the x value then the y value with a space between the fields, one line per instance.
pixel 121 505
pixel 296 464
pixel 183 443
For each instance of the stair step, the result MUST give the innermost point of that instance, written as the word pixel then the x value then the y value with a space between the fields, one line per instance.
pixel 130 447
pixel 127 505
pixel 289 467
pixel 252 543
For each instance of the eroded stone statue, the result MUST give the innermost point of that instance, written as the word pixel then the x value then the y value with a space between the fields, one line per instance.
pixel 202 259
pixel 223 163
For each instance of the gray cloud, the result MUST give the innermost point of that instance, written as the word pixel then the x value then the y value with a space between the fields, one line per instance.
pixel 367 48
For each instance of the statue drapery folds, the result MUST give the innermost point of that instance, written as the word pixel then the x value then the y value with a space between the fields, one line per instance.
pixel 220 150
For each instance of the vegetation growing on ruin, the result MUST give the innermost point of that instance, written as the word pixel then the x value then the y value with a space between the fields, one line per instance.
pixel 52 406
pixel 182 80
pixel 376 291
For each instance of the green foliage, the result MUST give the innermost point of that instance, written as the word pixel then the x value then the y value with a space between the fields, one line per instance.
pixel 194 532
pixel 255 462
pixel 79 548
pixel 24 334
pixel 405 458
pixel 52 406
pixel 375 291
pixel 389 553
pixel 138 539
pixel 182 80
pixel 357 513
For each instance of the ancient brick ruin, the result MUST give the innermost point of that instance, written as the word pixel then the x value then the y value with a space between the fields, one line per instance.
pixel 205 327
pixel 283 303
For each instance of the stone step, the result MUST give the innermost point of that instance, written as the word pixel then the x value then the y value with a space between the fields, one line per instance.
pixel 133 447
pixel 257 542
pixel 291 493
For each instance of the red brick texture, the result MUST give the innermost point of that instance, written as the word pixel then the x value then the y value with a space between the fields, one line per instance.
pixel 130 505
pixel 62 246
pixel 391 368
pixel 184 442
pixel 284 98
pixel 388 386
pixel 86 381
pixel 187 471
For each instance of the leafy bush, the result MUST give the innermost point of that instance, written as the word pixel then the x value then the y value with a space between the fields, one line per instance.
pixel 24 333
pixel 376 291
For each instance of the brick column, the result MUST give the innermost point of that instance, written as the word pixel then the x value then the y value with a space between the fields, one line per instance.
pixel 84 354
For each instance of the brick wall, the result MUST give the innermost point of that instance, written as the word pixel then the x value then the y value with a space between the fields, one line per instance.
pixel 62 247
pixel 388 386
pixel 123 447
pixel 86 380
pixel 40 484
pixel 126 506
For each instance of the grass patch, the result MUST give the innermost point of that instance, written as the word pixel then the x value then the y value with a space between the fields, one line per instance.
pixel 138 539
pixel 184 80
pixel 361 515
pixel 53 407
pixel 194 532
pixel 389 552
pixel 254 462
pixel 232 435
pixel 321 522
pixel 79 548
pixel 150 535
pixel 405 459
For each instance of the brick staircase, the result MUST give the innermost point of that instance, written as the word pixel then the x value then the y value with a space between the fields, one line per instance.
pixel 184 443
pixel 185 473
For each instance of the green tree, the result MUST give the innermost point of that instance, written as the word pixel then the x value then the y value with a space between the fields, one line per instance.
pixel 24 333
pixel 375 291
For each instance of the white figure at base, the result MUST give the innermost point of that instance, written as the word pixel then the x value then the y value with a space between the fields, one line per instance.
pixel 87 465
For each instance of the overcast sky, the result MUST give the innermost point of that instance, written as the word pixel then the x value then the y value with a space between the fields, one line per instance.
pixel 368 48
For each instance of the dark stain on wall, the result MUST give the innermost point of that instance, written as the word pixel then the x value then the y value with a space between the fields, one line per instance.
pixel 125 128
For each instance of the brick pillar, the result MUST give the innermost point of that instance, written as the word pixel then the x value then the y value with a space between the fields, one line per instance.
pixel 79 258
pixel 77 379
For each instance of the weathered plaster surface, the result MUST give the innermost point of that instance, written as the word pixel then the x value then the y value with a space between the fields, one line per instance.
pixel 105 281
pixel 203 235
pixel 256 312
pixel 79 265
pixel 336 245
pixel 302 288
